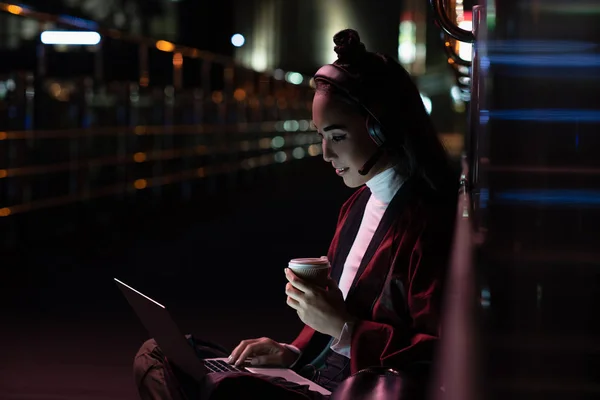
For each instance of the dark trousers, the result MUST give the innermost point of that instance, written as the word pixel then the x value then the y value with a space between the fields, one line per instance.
pixel 156 378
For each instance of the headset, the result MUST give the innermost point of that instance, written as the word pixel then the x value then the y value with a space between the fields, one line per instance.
pixel 350 85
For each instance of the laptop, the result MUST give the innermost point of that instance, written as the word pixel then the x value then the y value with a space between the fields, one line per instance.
pixel 177 349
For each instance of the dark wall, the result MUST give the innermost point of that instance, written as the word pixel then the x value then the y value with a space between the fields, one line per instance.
pixel 376 21
pixel 207 25
pixel 379 22
pixel 298 26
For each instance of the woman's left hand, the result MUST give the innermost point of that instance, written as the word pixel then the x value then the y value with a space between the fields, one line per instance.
pixel 323 310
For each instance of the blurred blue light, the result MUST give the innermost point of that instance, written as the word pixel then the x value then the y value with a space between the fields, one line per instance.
pixel 78 22
pixel 541 115
pixel 238 40
pixel 538 46
pixel 551 197
pixel 543 60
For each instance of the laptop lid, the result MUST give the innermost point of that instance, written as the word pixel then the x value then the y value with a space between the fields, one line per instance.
pixel 162 328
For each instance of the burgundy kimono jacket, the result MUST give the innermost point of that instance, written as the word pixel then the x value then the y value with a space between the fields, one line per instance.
pixel 397 289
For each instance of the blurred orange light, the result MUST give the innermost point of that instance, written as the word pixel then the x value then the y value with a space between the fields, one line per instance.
pixel 140 184
pixel 163 45
pixel 239 94
pixel 200 172
pixel 4 212
pixel 139 157
pixel 3 136
pixel 314 150
pixel 3 173
pixel 217 96
pixel 14 9
pixel 140 130
pixel 177 59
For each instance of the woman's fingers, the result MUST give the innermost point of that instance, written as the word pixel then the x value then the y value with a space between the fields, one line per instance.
pixel 297 282
pixel 293 303
pixel 264 348
pixel 237 352
pixel 248 352
pixel 294 293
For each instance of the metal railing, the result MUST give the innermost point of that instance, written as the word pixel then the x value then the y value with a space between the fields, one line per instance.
pixel 110 134
pixel 458 365
pixel 458 356
pixel 107 143
pixel 137 158
pixel 68 138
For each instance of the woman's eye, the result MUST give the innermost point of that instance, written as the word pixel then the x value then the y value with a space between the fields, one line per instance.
pixel 334 139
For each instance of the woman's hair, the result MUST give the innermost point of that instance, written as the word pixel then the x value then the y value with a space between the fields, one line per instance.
pixel 389 92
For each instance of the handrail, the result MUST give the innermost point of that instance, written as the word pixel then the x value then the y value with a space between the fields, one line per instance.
pixel 441 16
pixel 153 181
pixel 143 156
pixel 457 359
pixel 146 130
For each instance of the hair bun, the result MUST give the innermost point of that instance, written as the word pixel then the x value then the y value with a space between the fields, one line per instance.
pixel 348 46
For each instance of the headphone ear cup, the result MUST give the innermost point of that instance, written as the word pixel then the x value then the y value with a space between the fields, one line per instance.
pixel 375 131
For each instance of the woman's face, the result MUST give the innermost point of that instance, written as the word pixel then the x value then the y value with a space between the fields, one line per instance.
pixel 346 142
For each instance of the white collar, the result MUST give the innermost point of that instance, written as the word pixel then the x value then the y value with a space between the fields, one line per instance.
pixel 385 185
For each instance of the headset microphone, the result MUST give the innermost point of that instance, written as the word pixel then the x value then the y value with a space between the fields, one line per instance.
pixel 371 162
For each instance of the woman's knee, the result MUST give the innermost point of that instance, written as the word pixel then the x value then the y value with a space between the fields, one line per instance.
pixel 148 357
pixel 149 373
pixel 148 349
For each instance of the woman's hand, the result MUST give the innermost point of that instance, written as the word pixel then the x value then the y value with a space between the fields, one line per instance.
pixel 323 310
pixel 263 351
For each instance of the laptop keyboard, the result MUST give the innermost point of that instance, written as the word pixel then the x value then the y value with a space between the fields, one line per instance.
pixel 220 366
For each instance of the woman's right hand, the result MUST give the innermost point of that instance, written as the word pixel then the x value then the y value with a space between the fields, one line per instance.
pixel 263 351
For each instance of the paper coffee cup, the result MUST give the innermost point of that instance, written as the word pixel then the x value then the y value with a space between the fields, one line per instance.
pixel 312 270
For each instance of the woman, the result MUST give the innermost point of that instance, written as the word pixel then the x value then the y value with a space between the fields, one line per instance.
pixel 389 252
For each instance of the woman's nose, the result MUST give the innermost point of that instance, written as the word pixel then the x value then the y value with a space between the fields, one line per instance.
pixel 328 154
